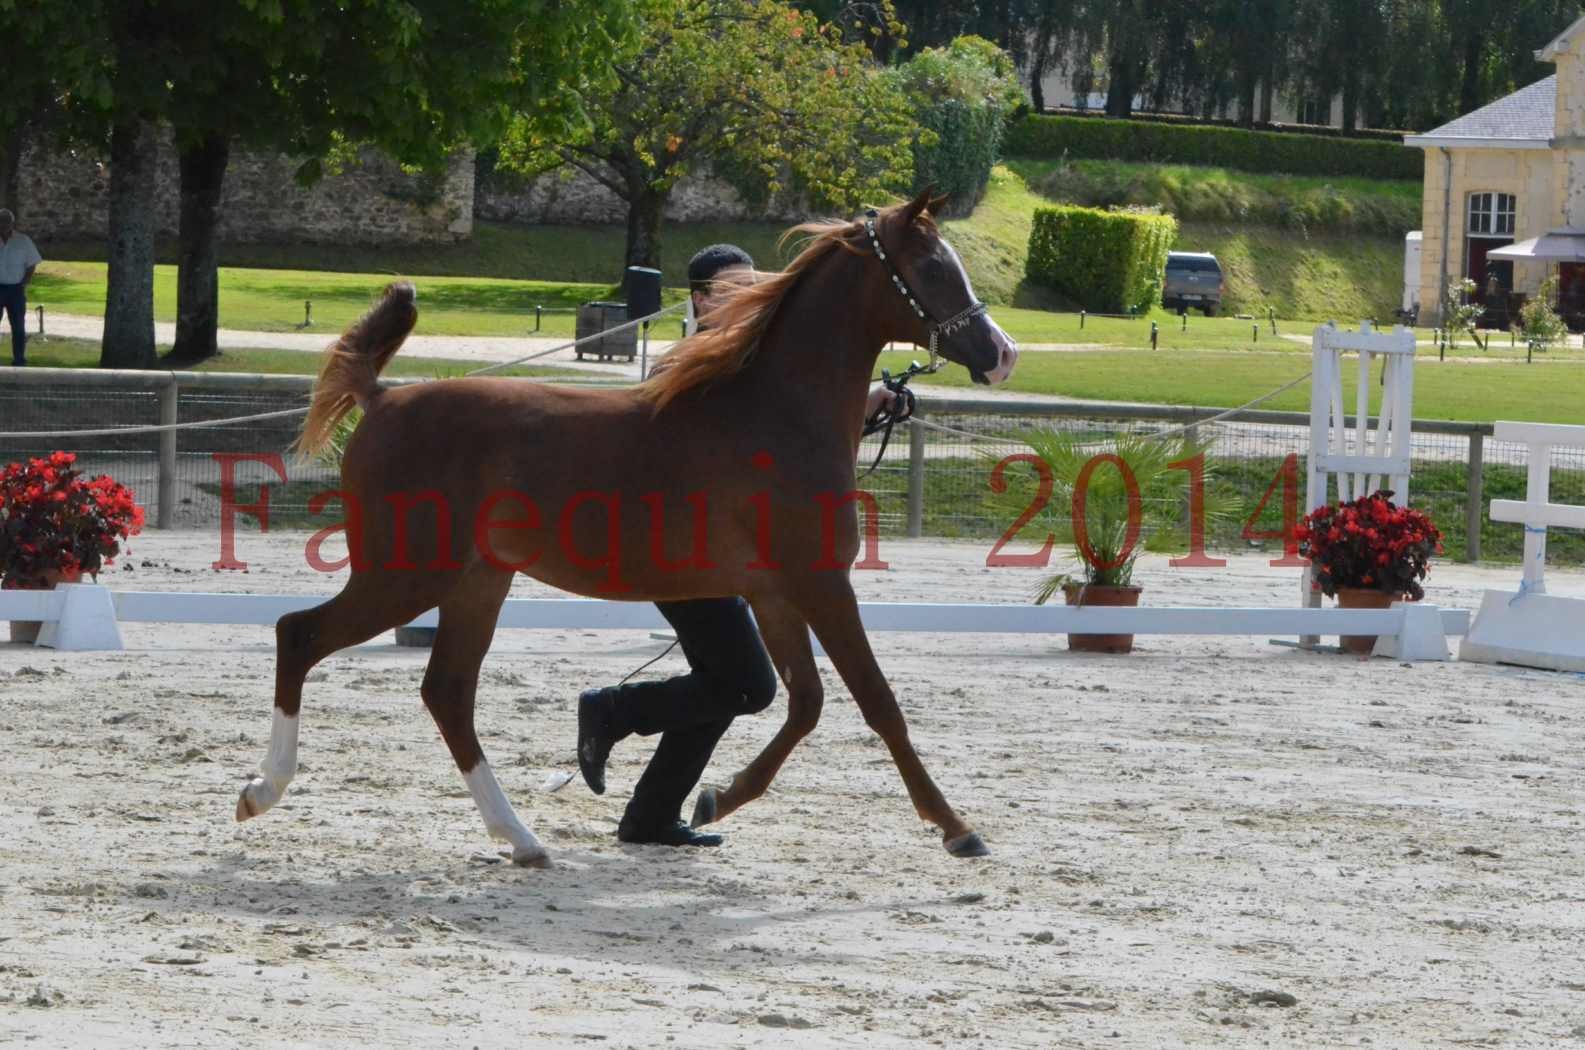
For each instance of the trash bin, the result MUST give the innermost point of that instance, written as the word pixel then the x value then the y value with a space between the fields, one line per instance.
pixel 594 318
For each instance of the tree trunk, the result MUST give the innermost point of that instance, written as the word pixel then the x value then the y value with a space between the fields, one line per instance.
pixel 1037 91
pixel 1350 98
pixel 1246 100
pixel 644 211
pixel 203 168
pixel 1120 88
pixel 1469 87
pixel 11 147
pixel 1265 98
pixel 129 293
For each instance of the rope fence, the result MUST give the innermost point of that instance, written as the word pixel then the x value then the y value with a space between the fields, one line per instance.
pixel 168 436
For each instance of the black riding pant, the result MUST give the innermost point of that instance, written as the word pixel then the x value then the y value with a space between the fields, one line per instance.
pixel 14 301
pixel 730 675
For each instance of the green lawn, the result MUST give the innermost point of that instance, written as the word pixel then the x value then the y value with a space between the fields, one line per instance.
pixel 272 300
pixel 84 353
pixel 1542 392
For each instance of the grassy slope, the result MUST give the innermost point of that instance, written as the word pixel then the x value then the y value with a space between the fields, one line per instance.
pixel 1317 277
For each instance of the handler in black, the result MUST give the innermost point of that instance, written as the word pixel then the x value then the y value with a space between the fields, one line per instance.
pixel 731 674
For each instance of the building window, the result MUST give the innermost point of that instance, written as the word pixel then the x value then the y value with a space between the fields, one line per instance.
pixel 1491 214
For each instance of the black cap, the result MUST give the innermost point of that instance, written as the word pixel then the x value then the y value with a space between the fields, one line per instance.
pixel 708 262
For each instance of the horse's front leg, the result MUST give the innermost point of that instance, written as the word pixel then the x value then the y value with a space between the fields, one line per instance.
pixel 787 640
pixel 834 616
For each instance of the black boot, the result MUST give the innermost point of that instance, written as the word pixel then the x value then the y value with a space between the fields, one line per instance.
pixel 675 833
pixel 596 736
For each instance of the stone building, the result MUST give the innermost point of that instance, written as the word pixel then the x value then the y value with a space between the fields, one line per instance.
pixel 1504 202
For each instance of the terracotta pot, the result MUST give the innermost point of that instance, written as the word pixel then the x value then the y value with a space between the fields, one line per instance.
pixel 1098 594
pixel 27 631
pixel 1362 598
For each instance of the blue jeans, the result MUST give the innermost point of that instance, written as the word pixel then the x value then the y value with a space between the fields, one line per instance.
pixel 14 300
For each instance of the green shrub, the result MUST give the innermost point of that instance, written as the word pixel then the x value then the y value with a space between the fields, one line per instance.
pixel 1109 261
pixel 963 95
pixel 1258 151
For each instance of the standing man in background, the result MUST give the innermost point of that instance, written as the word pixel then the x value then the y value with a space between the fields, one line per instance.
pixel 18 259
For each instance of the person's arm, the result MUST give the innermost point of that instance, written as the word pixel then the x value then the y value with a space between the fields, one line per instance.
pixel 27 275
pixel 34 258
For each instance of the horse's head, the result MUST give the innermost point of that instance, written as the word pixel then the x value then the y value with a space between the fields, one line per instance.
pixel 935 300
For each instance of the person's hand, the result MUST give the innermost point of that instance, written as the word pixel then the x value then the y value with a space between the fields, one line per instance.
pixel 881 398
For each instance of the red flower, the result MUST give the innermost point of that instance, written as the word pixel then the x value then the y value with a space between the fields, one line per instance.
pixel 52 520
pixel 1370 542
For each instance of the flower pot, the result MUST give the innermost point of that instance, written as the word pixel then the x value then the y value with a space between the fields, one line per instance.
pixel 27 631
pixel 1098 594
pixel 1361 598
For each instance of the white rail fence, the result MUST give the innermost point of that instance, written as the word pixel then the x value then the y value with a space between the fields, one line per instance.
pixel 88 616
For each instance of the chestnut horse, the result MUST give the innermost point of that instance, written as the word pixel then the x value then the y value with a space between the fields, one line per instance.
pixel 747 439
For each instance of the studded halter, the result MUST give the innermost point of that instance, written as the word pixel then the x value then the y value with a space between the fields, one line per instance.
pixel 938 329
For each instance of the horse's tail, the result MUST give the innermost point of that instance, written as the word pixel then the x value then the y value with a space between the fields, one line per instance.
pixel 351 370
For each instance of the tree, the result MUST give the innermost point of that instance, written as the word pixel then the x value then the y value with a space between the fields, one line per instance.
pixel 414 77
pixel 964 93
pixel 754 86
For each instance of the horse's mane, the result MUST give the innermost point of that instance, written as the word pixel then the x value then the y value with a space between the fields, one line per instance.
pixel 739 322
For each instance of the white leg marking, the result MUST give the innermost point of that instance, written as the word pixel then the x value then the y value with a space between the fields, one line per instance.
pixel 501 821
pixel 275 772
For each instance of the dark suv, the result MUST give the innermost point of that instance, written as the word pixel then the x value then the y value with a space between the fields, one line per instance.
pixel 1194 279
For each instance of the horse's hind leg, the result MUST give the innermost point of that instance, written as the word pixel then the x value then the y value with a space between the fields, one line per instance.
pixel 467 626
pixel 362 610
pixel 787 639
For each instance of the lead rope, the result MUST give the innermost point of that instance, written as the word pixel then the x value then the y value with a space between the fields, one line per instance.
pixel 887 417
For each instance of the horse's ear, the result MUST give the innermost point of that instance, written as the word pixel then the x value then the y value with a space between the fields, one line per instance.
pixel 920 205
pixel 936 205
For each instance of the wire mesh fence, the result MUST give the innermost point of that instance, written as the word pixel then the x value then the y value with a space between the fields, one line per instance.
pixel 940 478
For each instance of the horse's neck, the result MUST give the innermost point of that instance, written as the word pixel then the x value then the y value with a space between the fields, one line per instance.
pixel 820 352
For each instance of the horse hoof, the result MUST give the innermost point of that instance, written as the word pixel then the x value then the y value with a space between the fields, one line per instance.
pixel 968 845
pixel 531 859
pixel 248 805
pixel 704 810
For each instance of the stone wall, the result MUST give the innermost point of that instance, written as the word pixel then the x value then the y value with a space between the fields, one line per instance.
pixel 371 201
pixel 571 197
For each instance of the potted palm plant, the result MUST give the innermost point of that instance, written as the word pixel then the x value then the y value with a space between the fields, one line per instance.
pixel 1112 500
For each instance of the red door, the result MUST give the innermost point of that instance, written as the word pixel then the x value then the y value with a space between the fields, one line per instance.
pixel 1480 271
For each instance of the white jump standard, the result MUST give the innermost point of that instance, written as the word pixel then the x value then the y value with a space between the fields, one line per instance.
pixel 1531 627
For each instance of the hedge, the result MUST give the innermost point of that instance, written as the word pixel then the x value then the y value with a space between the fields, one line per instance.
pixel 959 163
pixel 1183 119
pixel 1257 151
pixel 1109 261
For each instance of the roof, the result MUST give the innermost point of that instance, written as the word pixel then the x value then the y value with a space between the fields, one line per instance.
pixel 1560 42
pixel 1523 120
